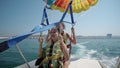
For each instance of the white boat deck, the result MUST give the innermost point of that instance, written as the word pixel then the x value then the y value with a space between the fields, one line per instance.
pixel 81 63
pixel 85 63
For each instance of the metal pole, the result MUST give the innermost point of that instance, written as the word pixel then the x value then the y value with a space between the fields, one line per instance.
pixel 22 56
pixel 102 65
pixel 118 62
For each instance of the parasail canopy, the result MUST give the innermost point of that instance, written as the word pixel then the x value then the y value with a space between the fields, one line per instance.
pixel 77 5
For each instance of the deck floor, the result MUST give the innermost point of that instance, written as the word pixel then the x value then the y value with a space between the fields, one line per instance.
pixel 81 63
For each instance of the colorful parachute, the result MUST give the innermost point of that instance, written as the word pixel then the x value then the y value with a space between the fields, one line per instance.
pixel 77 5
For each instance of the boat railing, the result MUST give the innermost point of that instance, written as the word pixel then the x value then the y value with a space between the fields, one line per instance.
pixel 102 65
pixel 118 62
pixel 22 55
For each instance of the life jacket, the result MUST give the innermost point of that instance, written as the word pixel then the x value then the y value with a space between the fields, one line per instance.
pixel 64 34
pixel 54 56
pixel 56 50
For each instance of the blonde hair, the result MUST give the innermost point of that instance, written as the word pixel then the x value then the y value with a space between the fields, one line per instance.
pixel 63 24
pixel 54 29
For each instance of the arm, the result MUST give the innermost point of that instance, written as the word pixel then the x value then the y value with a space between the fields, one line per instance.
pixel 73 38
pixel 48 36
pixel 65 52
pixel 40 46
pixel 63 48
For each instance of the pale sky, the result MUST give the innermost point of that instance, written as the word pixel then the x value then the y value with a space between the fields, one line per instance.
pixel 21 16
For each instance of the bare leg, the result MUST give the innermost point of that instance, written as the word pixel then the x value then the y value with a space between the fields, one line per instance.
pixel 66 64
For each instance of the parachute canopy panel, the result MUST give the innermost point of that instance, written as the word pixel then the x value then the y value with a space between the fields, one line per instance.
pixel 77 5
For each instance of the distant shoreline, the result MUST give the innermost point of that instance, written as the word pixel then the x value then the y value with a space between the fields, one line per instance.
pixel 79 37
pixel 83 37
pixel 98 37
pixel 4 37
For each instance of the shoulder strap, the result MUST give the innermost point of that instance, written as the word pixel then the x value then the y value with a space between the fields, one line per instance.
pixel 70 48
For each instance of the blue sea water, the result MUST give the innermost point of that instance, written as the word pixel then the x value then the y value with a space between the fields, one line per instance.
pixel 105 50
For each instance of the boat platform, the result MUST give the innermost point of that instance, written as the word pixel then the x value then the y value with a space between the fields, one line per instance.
pixel 80 63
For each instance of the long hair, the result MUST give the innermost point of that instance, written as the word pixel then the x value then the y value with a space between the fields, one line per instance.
pixel 63 24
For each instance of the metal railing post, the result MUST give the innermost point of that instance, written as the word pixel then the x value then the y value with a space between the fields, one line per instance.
pixel 118 63
pixel 22 56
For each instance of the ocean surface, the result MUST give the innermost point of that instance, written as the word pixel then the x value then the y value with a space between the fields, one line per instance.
pixel 106 51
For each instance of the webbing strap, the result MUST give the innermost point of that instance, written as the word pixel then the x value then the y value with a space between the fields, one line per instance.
pixel 71 14
pixel 65 13
pixel 42 21
pixel 44 18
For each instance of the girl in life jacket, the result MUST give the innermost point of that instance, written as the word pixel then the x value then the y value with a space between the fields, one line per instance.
pixel 65 35
pixel 54 52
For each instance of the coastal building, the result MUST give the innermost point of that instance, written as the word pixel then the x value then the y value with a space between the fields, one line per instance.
pixel 109 35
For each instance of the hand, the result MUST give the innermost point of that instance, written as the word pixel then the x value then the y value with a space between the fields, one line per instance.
pixel 72 29
pixel 40 40
pixel 49 32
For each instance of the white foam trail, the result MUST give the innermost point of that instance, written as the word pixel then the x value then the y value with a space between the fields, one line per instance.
pixel 92 52
pixel 84 53
pixel 80 50
pixel 82 43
